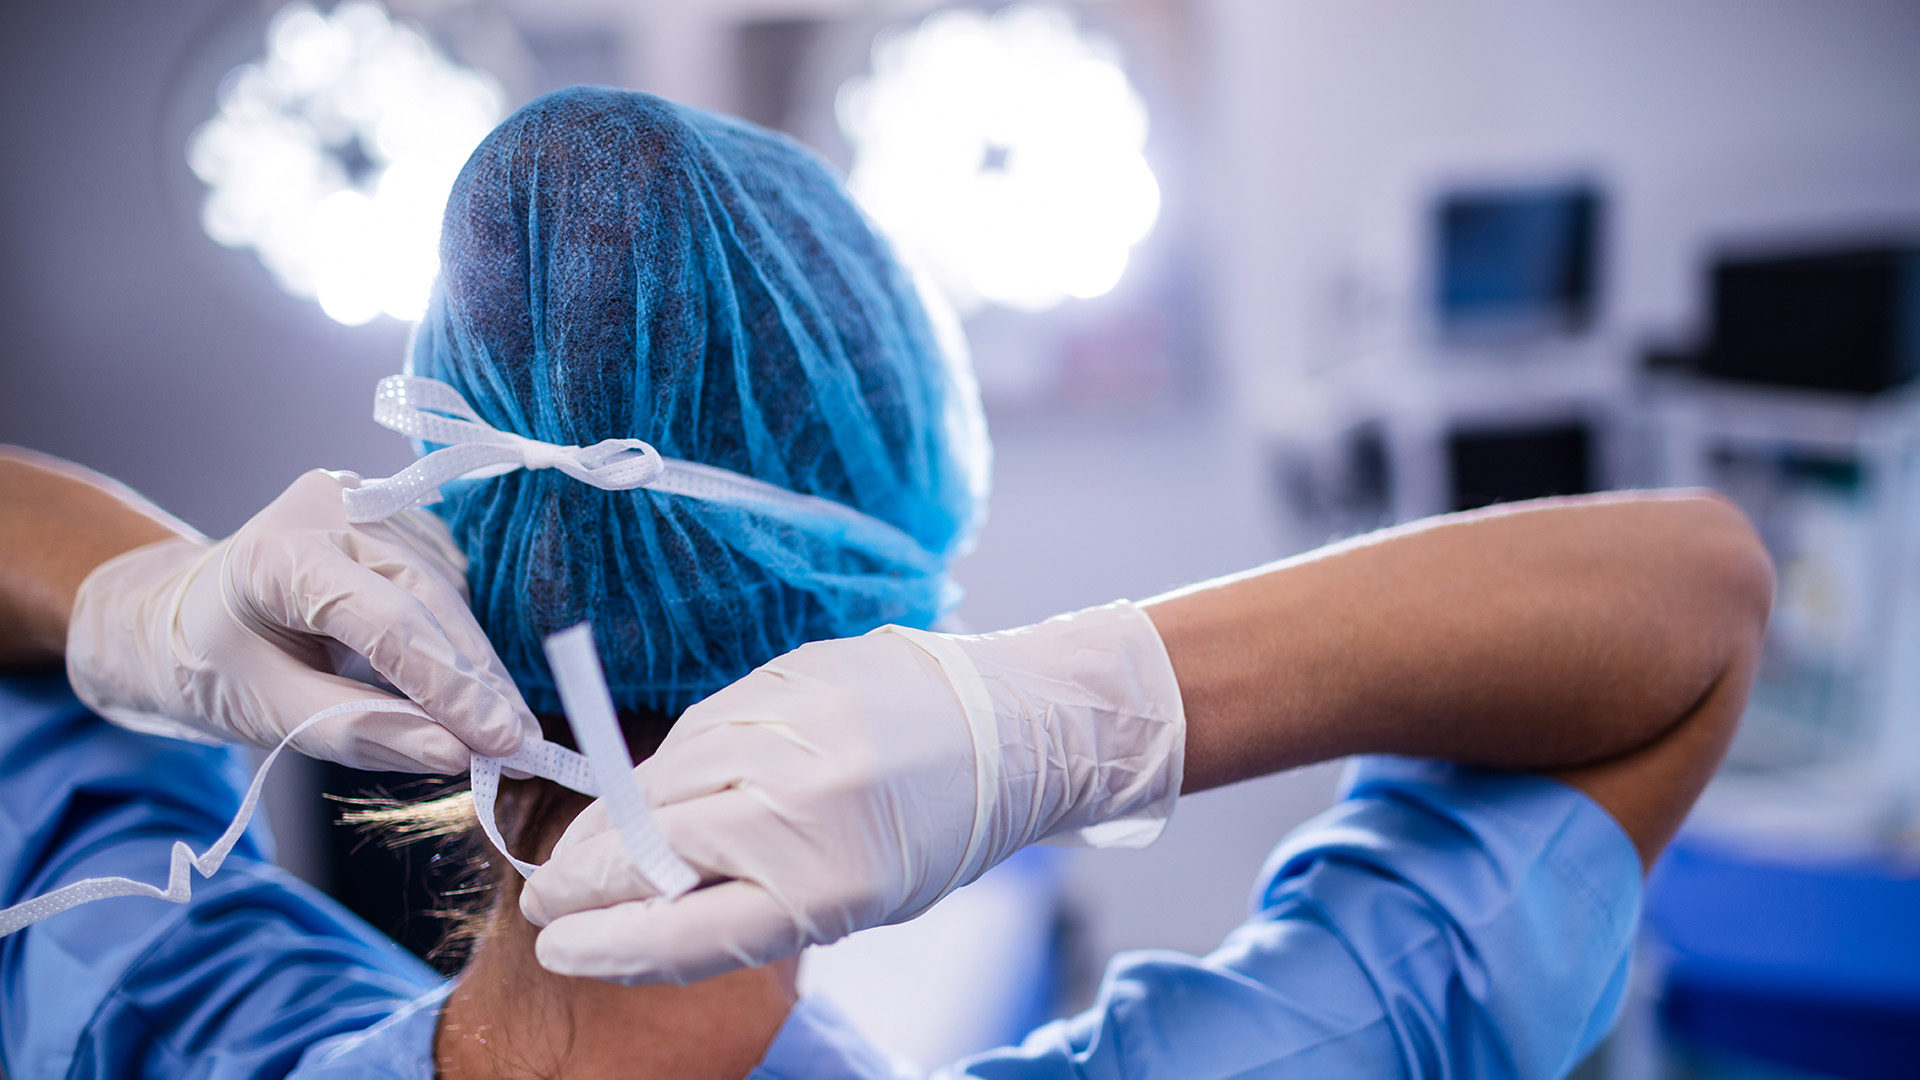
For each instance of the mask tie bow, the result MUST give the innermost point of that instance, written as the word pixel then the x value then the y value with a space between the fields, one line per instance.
pixel 432 411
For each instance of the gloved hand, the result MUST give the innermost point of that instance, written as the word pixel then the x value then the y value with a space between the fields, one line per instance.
pixel 853 783
pixel 238 639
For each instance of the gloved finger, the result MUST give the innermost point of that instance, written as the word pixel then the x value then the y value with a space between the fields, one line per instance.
pixel 722 836
pixel 426 534
pixel 705 933
pixel 722 757
pixel 386 742
pixel 416 527
pixel 436 578
pixel 444 597
pixel 403 640
pixel 595 872
pixel 589 867
pixel 377 741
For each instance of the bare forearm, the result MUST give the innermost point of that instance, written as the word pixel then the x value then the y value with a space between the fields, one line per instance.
pixel 58 522
pixel 1542 637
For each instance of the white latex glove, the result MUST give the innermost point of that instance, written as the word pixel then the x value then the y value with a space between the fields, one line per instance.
pixel 854 783
pixel 232 640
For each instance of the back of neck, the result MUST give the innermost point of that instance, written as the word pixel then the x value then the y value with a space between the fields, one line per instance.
pixel 511 1018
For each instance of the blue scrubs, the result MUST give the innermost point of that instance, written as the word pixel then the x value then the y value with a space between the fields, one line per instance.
pixel 1438 922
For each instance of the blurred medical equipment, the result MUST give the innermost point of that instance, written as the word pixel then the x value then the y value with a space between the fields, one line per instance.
pixel 1783 916
pixel 1799 405
pixel 1484 364
pixel 1845 319
pixel 1474 359
pixel 1516 263
pixel 205 641
pixel 604 771
pixel 1479 360
pixel 1768 960
pixel 750 320
pixel 1519 268
pixel 332 155
pixel 827 814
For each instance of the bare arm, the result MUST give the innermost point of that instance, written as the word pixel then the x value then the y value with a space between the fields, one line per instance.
pixel 1612 638
pixel 1608 641
pixel 1650 790
pixel 59 522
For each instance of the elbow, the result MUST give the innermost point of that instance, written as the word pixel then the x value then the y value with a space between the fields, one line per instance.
pixel 1732 563
pixel 1718 564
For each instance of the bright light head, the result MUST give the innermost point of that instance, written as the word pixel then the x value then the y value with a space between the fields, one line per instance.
pixel 333 155
pixel 1005 153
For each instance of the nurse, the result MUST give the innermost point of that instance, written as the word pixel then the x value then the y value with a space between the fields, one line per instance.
pixel 619 268
pixel 1589 656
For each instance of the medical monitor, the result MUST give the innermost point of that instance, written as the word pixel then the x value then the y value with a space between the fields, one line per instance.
pixel 1516 263
pixel 1845 320
pixel 1498 464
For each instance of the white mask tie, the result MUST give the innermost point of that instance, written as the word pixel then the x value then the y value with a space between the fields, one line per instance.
pixel 432 411
pixel 605 771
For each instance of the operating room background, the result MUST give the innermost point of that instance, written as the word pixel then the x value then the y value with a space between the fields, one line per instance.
pixel 1287 135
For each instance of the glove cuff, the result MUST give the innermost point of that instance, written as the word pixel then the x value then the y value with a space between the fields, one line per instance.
pixel 1111 709
pixel 112 651
pixel 1078 730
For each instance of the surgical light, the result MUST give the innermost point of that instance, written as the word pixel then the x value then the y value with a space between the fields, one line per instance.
pixel 1003 152
pixel 331 157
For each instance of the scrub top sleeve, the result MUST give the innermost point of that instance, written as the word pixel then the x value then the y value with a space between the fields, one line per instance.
pixel 240 981
pixel 1438 922
pixel 818 1043
pixel 1494 912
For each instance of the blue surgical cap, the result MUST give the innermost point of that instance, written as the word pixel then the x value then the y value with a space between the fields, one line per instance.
pixel 614 265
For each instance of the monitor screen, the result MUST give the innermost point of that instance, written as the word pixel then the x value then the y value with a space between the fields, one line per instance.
pixel 1508 464
pixel 1519 262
